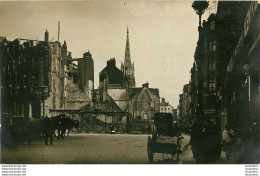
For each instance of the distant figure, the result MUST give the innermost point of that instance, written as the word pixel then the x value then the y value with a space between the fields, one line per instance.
pixel 111 129
pixel 213 143
pixel 149 130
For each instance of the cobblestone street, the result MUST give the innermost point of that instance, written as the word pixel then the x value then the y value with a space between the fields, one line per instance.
pixel 89 149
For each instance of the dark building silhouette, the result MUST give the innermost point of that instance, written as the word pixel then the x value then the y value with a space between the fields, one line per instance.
pixel 46 37
pixel 32 76
pixel 227 66
pixel 111 76
pixel 86 74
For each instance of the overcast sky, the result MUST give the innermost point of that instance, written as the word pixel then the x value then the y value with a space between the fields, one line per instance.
pixel 163 35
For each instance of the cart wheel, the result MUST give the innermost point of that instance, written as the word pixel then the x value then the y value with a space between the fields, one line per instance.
pixel 149 152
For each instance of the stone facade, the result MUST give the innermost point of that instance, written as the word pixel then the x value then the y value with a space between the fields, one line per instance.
pixel 38 77
pixel 33 76
pixel 144 102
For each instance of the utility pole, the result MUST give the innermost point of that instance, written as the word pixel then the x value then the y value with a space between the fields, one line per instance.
pixel 106 121
pixel 59 31
pixel 112 115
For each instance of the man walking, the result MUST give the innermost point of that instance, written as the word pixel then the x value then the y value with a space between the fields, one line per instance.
pixel 227 140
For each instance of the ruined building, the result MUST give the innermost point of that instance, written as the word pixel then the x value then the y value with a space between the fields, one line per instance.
pixel 39 78
pixel 33 76
pixel 86 74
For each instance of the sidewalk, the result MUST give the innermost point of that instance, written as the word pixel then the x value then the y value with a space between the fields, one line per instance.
pixel 243 155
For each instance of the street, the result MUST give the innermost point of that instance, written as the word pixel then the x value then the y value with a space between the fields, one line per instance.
pixel 91 149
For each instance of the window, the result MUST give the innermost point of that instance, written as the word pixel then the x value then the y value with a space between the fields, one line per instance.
pixel 212 85
pixel 213 46
pixel 210 46
pixel 212 25
pixel 212 65
pixel 205 83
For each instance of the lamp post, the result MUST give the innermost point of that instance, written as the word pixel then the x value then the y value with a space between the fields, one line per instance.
pixel 200 7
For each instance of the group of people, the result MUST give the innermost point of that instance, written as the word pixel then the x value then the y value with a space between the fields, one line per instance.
pixel 228 141
pixel 207 142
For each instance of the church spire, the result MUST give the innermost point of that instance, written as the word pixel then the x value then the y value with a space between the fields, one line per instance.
pixel 128 68
pixel 127 49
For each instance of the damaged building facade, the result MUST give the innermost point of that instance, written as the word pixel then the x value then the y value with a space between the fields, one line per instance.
pixel 36 77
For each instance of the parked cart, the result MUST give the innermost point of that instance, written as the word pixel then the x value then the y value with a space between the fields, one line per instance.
pixel 166 138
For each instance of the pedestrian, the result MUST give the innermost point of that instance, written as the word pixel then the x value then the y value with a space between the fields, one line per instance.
pixel 227 141
pixel 213 143
pixel 194 140
pixel 149 130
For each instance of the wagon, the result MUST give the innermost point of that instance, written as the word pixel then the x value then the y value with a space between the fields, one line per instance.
pixel 166 138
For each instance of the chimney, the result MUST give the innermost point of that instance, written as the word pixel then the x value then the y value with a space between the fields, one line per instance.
pixel 46 36
pixel 87 54
pixel 111 62
pixel 146 85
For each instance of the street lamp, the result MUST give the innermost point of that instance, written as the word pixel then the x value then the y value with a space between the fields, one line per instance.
pixel 200 7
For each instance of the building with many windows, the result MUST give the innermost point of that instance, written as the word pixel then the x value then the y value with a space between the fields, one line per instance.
pixel 38 77
pixel 33 76
pixel 225 76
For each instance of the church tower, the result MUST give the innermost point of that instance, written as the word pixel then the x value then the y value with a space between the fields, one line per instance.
pixel 128 68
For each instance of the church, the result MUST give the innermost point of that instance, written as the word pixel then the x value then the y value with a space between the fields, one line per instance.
pixel 128 68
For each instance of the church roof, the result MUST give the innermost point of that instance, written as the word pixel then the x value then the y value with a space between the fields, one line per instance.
pixel 134 92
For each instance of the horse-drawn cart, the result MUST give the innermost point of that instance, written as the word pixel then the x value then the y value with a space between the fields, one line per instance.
pixel 166 138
